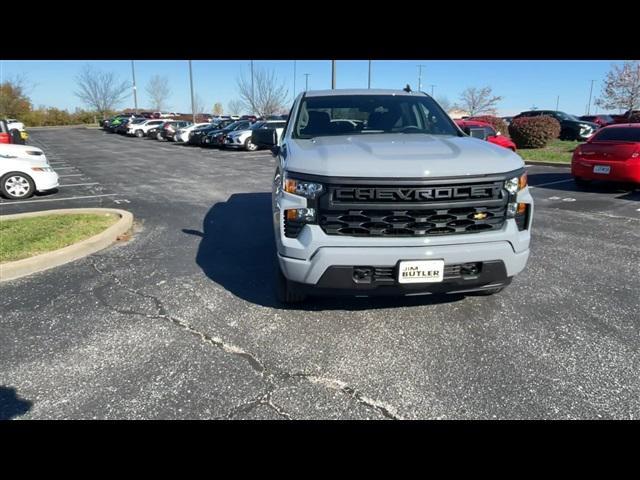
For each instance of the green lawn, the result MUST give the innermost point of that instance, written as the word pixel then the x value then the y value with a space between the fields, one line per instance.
pixel 27 237
pixel 557 151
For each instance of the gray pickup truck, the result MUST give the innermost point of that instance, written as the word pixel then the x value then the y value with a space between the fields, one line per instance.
pixel 379 192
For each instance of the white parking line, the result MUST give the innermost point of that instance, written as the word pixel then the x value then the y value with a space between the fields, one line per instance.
pixel 63 168
pixel 59 199
pixel 551 183
pixel 78 184
pixel 71 175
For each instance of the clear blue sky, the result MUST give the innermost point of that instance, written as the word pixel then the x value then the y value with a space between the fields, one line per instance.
pixel 523 84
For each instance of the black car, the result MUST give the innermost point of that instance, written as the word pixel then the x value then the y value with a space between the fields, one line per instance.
pixel 197 135
pixel 215 138
pixel 571 127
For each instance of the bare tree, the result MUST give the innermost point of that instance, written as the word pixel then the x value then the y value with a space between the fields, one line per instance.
pixel 267 95
pixel 235 107
pixel 444 103
pixel 101 91
pixel 158 91
pixel 478 100
pixel 217 109
pixel 621 87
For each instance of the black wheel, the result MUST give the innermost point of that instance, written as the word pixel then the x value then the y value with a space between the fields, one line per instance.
pixel 581 182
pixel 17 185
pixel 139 133
pixel 284 291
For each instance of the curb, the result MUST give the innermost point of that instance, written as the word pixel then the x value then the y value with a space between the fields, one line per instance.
pixel 549 164
pixel 45 261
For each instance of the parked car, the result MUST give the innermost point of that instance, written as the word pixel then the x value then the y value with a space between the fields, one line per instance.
pixel 215 138
pixel 624 118
pixel 5 133
pixel 379 207
pixel 612 154
pixel 507 120
pixel 140 129
pixel 602 120
pixel 242 138
pixel 196 136
pixel 251 118
pixel 13 123
pixel 169 128
pixel 488 133
pixel 124 126
pixel 571 127
pixel 182 135
pixel 24 170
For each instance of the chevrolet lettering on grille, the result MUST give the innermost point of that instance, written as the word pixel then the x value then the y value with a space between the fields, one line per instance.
pixel 413 194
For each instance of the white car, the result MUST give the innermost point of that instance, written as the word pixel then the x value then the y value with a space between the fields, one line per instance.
pixel 12 124
pixel 140 129
pixel 182 135
pixel 242 138
pixel 24 170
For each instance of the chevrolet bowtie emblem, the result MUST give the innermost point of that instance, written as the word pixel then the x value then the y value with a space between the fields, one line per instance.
pixel 479 216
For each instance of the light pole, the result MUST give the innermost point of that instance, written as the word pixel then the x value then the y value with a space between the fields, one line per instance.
pixel 193 109
pixel 333 74
pixel 252 91
pixel 557 103
pixel 306 81
pixel 294 79
pixel 420 77
pixel 590 92
pixel 432 87
pixel 135 94
pixel 369 82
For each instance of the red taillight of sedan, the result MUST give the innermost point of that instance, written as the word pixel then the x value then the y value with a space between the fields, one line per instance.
pixel 611 154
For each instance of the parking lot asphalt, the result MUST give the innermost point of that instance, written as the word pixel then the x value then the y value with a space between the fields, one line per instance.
pixel 181 321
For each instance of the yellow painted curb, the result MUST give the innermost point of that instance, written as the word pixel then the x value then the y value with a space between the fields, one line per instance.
pixel 45 261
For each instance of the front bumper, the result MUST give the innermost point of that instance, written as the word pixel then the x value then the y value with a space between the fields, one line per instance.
pixel 45 180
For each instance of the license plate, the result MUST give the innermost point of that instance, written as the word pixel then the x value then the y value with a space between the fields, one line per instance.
pixel 421 271
pixel 606 169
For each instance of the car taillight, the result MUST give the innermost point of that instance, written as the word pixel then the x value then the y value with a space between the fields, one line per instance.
pixel 5 138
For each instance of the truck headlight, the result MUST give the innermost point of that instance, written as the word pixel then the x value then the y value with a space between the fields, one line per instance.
pixel 302 188
pixel 515 184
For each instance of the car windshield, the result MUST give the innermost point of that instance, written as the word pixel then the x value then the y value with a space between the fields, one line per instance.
pixel 362 114
pixel 618 134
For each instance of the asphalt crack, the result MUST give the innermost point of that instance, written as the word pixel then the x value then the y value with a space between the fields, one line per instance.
pixel 270 378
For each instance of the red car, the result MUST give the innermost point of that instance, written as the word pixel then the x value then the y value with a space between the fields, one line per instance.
pixel 490 134
pixel 601 120
pixel 611 154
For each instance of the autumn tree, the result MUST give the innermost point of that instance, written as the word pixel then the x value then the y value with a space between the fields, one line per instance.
pixel 621 89
pixel 14 102
pixel 479 100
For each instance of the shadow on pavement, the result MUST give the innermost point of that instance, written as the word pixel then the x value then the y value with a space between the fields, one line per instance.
pixel 237 251
pixel 566 184
pixel 10 405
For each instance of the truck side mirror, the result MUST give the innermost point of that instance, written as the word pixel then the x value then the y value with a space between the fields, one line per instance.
pixel 264 137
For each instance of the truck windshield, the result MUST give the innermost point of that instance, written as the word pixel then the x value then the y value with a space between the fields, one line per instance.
pixel 362 114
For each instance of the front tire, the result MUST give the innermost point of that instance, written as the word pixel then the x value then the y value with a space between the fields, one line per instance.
pixel 139 133
pixel 285 291
pixel 17 186
pixel 250 146
pixel 159 136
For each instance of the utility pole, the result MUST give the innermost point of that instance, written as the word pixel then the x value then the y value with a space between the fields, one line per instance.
pixel 333 74
pixel 369 82
pixel 193 109
pixel 557 103
pixel 590 92
pixel 135 94
pixel 306 82
pixel 420 77
pixel 294 79
pixel 432 87
pixel 252 92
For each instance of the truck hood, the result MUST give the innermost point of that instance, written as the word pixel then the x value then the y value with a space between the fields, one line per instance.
pixel 398 156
